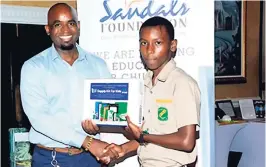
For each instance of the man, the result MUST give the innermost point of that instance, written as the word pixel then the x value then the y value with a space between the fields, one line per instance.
pixel 51 90
pixel 171 104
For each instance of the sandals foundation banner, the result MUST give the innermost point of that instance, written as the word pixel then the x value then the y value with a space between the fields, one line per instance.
pixel 110 30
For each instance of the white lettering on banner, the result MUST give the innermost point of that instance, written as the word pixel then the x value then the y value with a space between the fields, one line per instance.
pixel 189 51
pixel 103 55
pixel 179 23
pixel 120 27
pixel 129 75
pixel 135 26
pixel 127 65
pixel 130 54
pixel 124 54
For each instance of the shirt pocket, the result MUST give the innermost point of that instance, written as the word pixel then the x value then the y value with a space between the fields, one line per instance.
pixel 164 117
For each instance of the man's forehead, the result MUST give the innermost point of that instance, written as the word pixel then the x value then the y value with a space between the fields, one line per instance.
pixel 63 18
pixel 61 13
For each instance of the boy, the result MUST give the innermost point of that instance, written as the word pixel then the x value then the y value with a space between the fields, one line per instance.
pixel 171 104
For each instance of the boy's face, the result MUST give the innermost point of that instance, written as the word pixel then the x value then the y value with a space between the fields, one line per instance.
pixel 155 47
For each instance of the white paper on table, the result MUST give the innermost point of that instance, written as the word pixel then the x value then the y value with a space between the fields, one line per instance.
pixel 21 136
pixel 247 109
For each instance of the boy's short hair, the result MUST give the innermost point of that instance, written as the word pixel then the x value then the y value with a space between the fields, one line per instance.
pixel 160 21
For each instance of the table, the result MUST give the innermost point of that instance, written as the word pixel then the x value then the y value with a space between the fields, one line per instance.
pixel 248 138
pixel 251 142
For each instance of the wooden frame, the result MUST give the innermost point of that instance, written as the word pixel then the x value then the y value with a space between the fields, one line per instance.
pixel 262 50
pixel 230 42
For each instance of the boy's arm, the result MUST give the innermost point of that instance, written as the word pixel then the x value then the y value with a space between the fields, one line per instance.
pixel 130 146
pixel 183 140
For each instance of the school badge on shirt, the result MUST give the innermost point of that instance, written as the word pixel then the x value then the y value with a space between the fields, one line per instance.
pixel 162 114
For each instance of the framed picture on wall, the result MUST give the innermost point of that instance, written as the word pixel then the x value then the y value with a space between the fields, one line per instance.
pixel 230 55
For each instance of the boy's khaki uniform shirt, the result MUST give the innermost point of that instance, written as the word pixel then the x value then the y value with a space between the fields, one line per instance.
pixel 173 102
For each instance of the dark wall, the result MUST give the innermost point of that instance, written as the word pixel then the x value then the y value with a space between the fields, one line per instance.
pixel 18 43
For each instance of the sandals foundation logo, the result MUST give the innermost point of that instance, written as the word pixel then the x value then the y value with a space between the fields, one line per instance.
pixel 129 17
pixel 118 24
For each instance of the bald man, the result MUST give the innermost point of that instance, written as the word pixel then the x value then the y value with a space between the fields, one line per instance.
pixel 51 90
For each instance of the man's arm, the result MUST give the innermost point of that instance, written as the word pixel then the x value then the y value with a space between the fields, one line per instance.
pixel 112 150
pixel 36 107
pixel 96 147
pixel 91 128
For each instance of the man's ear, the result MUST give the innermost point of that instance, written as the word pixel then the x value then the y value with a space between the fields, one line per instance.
pixel 47 29
pixel 79 24
pixel 173 45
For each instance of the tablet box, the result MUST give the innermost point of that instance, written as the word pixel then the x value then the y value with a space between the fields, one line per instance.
pixel 108 101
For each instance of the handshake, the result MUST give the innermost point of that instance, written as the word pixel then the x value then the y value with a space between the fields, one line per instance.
pixel 106 153
pixel 111 152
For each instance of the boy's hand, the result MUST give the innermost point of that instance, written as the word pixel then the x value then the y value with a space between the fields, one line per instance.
pixel 128 134
pixel 133 129
pixel 90 127
pixel 111 152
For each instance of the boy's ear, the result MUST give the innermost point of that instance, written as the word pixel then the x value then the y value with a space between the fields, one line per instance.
pixel 173 45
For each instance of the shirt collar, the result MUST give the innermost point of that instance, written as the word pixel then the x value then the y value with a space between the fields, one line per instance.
pixel 163 75
pixel 55 55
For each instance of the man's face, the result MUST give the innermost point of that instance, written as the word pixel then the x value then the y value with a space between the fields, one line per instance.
pixel 155 47
pixel 63 28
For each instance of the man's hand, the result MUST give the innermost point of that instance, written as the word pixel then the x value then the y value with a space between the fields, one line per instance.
pixel 90 127
pixel 133 129
pixel 111 152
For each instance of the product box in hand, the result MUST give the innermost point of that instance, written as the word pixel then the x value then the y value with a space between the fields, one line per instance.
pixel 19 147
pixel 108 101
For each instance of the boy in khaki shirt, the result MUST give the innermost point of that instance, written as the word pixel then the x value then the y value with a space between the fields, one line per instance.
pixel 171 104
